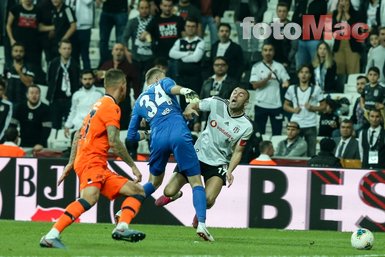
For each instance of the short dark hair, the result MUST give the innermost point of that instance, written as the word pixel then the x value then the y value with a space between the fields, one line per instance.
pixel 64 41
pixel 308 66
pixel 347 121
pixel 363 77
pixel 264 145
pixel 11 134
pixel 192 19
pixel 292 124
pixel 283 4
pixel 223 24
pixel 18 44
pixel 374 69
pixel 33 86
pixel 220 58
pixel 87 71
pixel 161 61
pixel 327 145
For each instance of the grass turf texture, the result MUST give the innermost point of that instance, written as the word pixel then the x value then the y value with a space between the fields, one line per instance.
pixel 22 239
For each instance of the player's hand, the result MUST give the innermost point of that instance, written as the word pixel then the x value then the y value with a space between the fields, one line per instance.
pixel 137 174
pixel 66 171
pixel 230 178
pixel 190 95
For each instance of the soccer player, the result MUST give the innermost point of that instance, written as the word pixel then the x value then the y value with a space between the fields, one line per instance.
pixel 169 134
pixel 99 133
pixel 219 147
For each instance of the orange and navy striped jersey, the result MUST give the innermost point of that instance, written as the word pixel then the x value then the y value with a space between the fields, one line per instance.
pixel 93 143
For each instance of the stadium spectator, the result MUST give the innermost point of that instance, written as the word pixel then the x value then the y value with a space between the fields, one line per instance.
pixel 325 158
pixel 378 56
pixel 119 61
pixel 380 16
pixel 34 120
pixel 19 75
pixel 10 147
pixel 114 14
pixel 63 23
pixel 169 134
pixel 284 51
pixel 84 13
pixel 267 151
pixel 368 9
pixel 373 95
pixel 6 108
pixel 142 55
pixel 5 7
pixel 267 78
pixel 304 101
pixel 186 9
pixel 63 80
pixel 230 50
pixel 81 102
pixel 212 11
pixel 347 52
pixel 325 69
pixel 163 30
pixel 372 142
pixel 294 145
pixel 347 144
pixel 89 160
pixel 329 121
pixel 218 156
pixel 374 41
pixel 46 32
pixel 307 48
pixel 358 117
pixel 188 53
pixel 249 8
pixel 22 28
pixel 219 84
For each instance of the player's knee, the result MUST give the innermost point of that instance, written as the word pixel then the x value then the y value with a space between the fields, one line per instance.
pixel 169 191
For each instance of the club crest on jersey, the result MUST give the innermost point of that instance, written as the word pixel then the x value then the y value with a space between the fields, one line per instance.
pixel 213 123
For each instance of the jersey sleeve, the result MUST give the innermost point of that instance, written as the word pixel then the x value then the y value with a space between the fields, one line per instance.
pixel 167 84
pixel 205 104
pixel 246 136
pixel 290 94
pixel 133 134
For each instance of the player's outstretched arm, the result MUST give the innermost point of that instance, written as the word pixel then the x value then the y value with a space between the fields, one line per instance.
pixel 190 95
pixel 234 161
pixel 120 150
pixel 70 165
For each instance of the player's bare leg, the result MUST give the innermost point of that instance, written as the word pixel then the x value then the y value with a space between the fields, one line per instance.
pixel 172 190
pixel 130 208
pixel 88 197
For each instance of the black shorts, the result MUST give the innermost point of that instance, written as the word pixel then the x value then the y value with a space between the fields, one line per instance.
pixel 209 171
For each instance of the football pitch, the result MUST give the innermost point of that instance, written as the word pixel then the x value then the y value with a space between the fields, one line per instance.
pixel 22 239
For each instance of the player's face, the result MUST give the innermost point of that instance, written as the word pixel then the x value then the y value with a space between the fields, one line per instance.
pixel 190 28
pixel 144 9
pixel 346 130
pixel 220 67
pixel 33 95
pixel 238 99
pixel 65 50
pixel 224 34
pixel 360 85
pixel 18 53
pixel 373 77
pixel 166 7
pixel 268 53
pixel 87 80
pixel 374 119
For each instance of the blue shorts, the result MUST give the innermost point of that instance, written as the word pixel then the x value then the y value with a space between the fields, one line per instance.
pixel 175 140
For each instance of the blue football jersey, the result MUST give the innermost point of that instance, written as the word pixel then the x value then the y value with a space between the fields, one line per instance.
pixel 156 105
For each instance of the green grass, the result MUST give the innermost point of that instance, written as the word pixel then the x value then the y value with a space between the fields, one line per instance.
pixel 22 239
